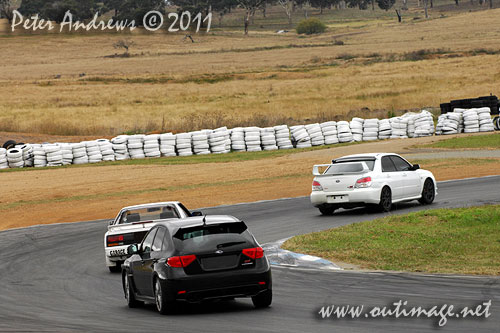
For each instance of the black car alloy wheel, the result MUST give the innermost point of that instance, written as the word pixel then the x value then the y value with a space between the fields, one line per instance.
pixel 428 192
pixel 385 199
pixel 158 296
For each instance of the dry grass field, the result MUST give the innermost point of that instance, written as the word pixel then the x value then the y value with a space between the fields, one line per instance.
pixel 225 78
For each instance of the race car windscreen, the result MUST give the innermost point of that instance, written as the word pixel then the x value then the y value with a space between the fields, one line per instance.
pixel 348 167
pixel 211 229
pixel 149 214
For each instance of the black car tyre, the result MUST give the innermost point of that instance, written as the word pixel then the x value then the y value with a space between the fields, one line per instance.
pixel 129 293
pixel 385 203
pixel 326 210
pixel 163 303
pixel 428 192
pixel 9 144
pixel 263 300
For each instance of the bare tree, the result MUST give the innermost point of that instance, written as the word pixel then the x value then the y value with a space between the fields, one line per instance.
pixel 425 9
pixel 398 13
pixel 306 7
pixel 125 44
pixel 288 6
pixel 250 6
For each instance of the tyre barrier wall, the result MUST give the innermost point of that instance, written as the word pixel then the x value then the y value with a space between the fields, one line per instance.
pixel 465 121
pixel 223 140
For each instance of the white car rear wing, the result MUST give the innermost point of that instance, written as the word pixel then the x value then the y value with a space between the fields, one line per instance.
pixel 325 167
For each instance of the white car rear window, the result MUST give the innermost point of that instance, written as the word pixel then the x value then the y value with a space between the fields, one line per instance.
pixel 348 167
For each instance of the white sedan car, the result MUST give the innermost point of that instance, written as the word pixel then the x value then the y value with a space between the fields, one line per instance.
pixel 379 179
pixel 132 223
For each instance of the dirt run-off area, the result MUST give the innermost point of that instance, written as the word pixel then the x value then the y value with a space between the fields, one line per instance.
pixel 98 192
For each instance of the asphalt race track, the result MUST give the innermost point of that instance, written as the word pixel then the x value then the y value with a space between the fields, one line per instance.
pixel 53 278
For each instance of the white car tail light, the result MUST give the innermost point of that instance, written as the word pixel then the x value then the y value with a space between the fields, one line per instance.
pixel 316 186
pixel 363 182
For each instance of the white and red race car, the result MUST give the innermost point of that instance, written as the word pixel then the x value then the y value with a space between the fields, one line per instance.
pixel 132 223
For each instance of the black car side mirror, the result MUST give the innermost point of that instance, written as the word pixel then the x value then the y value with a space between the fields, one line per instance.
pixel 415 167
pixel 196 213
pixel 133 249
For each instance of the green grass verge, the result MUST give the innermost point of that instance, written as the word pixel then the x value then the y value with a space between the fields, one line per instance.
pixel 462 241
pixel 195 159
pixel 477 141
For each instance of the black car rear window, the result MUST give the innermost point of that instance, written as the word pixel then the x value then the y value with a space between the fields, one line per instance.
pixel 211 229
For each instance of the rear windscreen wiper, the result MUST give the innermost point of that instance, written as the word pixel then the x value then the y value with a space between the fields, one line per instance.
pixel 228 244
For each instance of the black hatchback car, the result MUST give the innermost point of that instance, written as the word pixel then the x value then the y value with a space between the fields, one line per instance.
pixel 196 259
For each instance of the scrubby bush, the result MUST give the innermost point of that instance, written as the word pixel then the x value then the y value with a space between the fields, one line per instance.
pixel 311 26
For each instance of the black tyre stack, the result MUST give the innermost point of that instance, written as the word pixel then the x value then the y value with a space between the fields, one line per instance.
pixel 468 103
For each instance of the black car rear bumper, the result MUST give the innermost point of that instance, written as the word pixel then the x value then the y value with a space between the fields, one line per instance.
pixel 228 286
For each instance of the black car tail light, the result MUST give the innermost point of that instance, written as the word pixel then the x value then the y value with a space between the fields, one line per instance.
pixel 254 253
pixel 181 261
pixel 115 240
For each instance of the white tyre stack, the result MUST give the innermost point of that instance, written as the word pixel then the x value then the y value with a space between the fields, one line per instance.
pixel 370 129
pixel 106 148
pixel 485 122
pixel 93 151
pixel 79 153
pixel 28 157
pixel 135 145
pixel 252 138
pixel 450 123
pixel 15 157
pixel 439 124
pixel 384 129
pixel 268 138
pixel 316 135
pixel 461 125
pixel 228 139
pixel 282 134
pixel 356 126
pixel 152 146
pixel 54 155
pixel 167 144
pixel 238 139
pixel 40 157
pixel 399 128
pixel 470 121
pixel 424 124
pixel 300 136
pixel 329 130
pixel 410 127
pixel 218 141
pixel 344 131
pixel 200 143
pixel 119 146
pixel 67 153
pixel 283 137
pixel 183 144
pixel 4 164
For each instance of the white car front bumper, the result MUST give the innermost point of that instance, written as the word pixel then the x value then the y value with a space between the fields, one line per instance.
pixel 369 195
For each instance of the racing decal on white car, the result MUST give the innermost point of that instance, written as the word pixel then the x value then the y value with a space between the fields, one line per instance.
pixel 117 253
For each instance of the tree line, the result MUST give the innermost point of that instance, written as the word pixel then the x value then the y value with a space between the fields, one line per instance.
pixel 54 10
